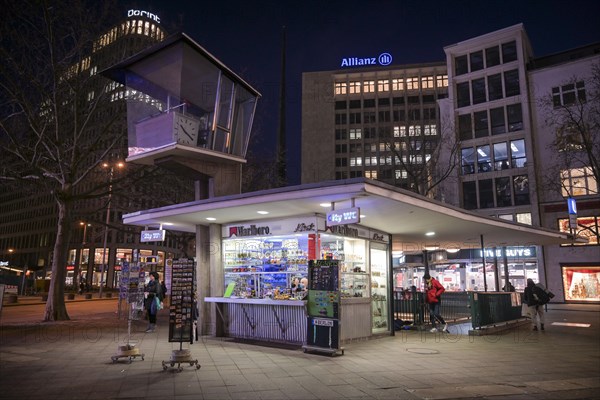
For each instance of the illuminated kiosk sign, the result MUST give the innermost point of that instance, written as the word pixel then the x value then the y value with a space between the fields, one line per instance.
pixel 343 217
pixel 141 13
pixel 383 59
pixel 153 236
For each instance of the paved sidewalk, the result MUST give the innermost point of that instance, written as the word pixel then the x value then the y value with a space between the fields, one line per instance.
pixel 72 360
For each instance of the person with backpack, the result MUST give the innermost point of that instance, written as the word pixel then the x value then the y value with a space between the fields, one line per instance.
pixel 152 294
pixel 433 297
pixel 535 297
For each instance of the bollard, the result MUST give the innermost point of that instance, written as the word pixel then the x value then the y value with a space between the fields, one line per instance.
pixel 88 296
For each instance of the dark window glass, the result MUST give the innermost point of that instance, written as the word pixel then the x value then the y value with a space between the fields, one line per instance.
pixel 399 115
pixel 484 158
pixel 465 128
pixel 369 103
pixel 341 148
pixel 354 103
pixel 463 94
pixel 341 162
pixel 500 156
pixel 497 120
pixel 468 161
pixel 429 113
pixel 413 100
pixel 515 117
pixel 384 116
pixel 384 101
pixel 481 124
pixel 509 52
pixel 494 87
pixel 461 65
pixel 369 117
pixel 503 192
pixel 414 115
pixel 385 131
pixel 492 56
pixel 341 119
pixel 397 101
pixel 511 83
pixel 429 98
pixel 341 175
pixel 469 195
pixel 521 190
pixel 486 194
pixel 341 134
pixel 355 118
pixel 476 60
pixel 341 105
pixel 478 88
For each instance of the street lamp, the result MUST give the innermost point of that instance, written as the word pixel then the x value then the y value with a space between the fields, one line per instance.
pixel 110 179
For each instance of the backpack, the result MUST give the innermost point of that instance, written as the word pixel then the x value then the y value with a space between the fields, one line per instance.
pixel 541 295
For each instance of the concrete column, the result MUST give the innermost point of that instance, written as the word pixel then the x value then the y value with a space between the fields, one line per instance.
pixel 203 279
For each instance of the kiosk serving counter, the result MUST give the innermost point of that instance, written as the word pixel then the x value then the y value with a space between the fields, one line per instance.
pixel 265 268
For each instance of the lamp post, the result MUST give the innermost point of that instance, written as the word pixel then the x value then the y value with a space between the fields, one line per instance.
pixel 110 179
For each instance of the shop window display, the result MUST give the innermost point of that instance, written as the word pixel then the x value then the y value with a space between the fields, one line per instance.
pixel 582 283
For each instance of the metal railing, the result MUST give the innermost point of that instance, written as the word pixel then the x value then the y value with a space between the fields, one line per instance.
pixel 489 308
pixel 410 307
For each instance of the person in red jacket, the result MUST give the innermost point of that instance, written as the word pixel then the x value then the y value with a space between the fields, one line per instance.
pixel 433 297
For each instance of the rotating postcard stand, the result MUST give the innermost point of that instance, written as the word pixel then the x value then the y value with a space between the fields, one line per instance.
pixel 131 288
pixel 323 325
pixel 182 312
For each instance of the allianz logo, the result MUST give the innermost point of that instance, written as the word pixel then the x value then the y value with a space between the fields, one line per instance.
pixel 383 59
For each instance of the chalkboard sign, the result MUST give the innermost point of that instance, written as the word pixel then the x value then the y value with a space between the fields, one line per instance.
pixel 181 309
pixel 323 275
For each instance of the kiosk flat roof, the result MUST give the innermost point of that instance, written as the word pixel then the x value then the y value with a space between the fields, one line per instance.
pixel 404 214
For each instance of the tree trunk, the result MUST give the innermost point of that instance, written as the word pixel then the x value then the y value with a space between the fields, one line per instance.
pixel 56 309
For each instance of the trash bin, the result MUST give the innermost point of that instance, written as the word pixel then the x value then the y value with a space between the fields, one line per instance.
pixel 12 299
pixel 88 296
pixel 71 296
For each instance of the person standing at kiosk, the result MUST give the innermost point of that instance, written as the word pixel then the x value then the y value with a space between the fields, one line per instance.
pixel 433 297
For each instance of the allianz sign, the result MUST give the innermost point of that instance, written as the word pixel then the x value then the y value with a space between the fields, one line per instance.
pixel 383 59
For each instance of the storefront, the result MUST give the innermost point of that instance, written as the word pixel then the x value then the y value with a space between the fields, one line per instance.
pixel 463 270
pixel 581 283
pixel 265 267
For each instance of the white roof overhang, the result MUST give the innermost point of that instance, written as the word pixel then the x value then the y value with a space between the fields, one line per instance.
pixel 405 215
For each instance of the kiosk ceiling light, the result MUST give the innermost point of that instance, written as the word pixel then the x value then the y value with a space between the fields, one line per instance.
pixel 211 219
pixel 263 212
pixel 325 204
pixel 430 234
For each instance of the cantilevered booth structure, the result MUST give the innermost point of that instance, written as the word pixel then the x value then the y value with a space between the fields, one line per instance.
pixel 187 111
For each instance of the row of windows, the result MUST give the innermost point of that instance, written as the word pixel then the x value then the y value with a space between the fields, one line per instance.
pixel 412 145
pixel 385 101
pixel 383 160
pixel 496 121
pixel 586 227
pixel 568 94
pixel 386 131
pixel 398 174
pixel 386 85
pixel 578 182
pixel 28 241
pixel 139 27
pixel 372 117
pixel 487 58
pixel 474 92
pixel 499 192
pixel 497 157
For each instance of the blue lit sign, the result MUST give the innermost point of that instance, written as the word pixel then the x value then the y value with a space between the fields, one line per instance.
pixel 572 206
pixel 343 217
pixel 383 59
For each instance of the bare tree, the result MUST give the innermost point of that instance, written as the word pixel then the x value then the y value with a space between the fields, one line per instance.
pixel 427 155
pixel 56 124
pixel 575 123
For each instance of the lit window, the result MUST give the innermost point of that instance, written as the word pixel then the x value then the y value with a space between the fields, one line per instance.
pixel 341 88
pixel 354 87
pixel 412 83
pixel 398 84
pixel 587 227
pixel 401 174
pixel 430 130
pixel 369 87
pixel 414 130
pixel 371 174
pixel 578 182
pixel 441 81
pixel 383 85
pixel 356 133
pixel 524 218
pixel 427 82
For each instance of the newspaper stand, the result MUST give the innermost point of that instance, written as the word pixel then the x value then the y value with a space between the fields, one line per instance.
pixel 181 312
pixel 132 290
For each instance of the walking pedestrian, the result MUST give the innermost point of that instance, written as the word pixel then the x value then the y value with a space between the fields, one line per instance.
pixel 152 293
pixel 535 297
pixel 433 297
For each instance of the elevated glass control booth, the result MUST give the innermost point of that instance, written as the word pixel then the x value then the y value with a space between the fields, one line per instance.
pixel 182 101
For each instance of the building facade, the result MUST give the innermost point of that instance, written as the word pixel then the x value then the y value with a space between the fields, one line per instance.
pixel 487 99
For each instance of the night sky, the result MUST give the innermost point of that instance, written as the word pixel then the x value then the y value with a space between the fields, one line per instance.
pixel 246 36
